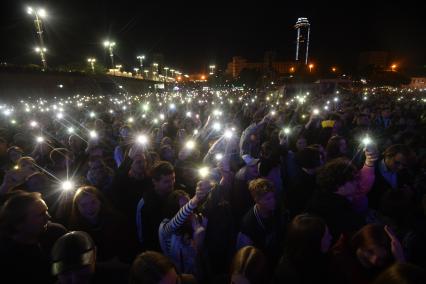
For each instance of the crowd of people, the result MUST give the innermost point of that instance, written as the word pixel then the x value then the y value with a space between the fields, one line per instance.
pixel 214 186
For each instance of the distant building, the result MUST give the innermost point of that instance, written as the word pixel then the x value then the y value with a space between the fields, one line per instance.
pixel 376 60
pixel 417 83
pixel 239 63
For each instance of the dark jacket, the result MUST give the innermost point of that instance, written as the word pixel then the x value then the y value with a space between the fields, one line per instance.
pixel 337 212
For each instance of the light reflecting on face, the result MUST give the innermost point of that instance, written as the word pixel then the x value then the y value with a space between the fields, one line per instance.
pixel 372 256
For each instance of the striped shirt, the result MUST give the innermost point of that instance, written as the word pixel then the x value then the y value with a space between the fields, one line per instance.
pixel 173 246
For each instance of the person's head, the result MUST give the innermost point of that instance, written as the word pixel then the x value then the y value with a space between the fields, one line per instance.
pixel 396 157
pixel 308 238
pixel 87 204
pixel 99 173
pixel 363 120
pixel 76 144
pixel 25 215
pixel 372 247
pixel 152 267
pixel 3 146
pixel 138 166
pixel 73 258
pixel 402 273
pixel 36 182
pixel 61 157
pixel 27 164
pixel 339 176
pixel 263 193
pixel 386 112
pixel 249 265
pixel 336 147
pixel 14 153
pixel 301 143
pixel 167 153
pixel 125 132
pixel 175 200
pixel 309 159
pixel 163 177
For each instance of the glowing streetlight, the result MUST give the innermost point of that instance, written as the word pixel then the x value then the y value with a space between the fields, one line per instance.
pixel 218 156
pixel 39 14
pixel 39 139
pixel 165 69
pixel 393 67
pixel 140 58
pixel 92 63
pixel 311 66
pixel 110 45
pixel 333 69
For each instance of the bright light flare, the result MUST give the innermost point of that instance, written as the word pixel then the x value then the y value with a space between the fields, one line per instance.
pixel 203 172
pixel 93 134
pixel 190 145
pixel 67 185
pixel 142 139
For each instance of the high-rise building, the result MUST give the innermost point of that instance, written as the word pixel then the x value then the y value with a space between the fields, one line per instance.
pixel 302 41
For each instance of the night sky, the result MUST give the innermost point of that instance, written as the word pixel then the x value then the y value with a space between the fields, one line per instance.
pixel 192 36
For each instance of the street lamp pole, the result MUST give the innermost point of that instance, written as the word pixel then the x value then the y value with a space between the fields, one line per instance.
pixel 39 14
pixel 141 58
pixel 165 78
pixel 92 63
pixel 110 45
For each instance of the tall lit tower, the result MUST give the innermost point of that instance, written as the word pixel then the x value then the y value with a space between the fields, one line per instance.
pixel 39 14
pixel 302 41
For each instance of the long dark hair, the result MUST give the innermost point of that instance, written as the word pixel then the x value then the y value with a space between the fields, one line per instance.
pixel 76 218
pixel 303 243
pixel 172 207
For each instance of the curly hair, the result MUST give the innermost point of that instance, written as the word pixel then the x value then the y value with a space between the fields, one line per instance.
pixel 335 174
pixel 259 187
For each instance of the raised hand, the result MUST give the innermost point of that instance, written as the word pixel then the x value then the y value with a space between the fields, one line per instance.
pixel 397 251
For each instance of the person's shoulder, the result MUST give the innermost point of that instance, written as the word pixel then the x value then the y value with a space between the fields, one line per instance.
pixel 249 219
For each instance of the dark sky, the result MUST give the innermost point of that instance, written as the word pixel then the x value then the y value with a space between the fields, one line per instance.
pixel 192 36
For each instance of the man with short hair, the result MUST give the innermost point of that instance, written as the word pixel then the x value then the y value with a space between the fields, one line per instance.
pixel 26 238
pixel 263 225
pixel 149 210
pixel 390 173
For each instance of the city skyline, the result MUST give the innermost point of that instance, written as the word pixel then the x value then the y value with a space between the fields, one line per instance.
pixel 193 40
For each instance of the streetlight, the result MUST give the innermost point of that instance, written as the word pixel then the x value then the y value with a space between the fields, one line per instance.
pixel 146 73
pixel 155 71
pixel 393 67
pixel 39 14
pixel 165 78
pixel 212 67
pixel 311 66
pixel 140 58
pixel 92 63
pixel 110 45
pixel 333 69
pixel 136 70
